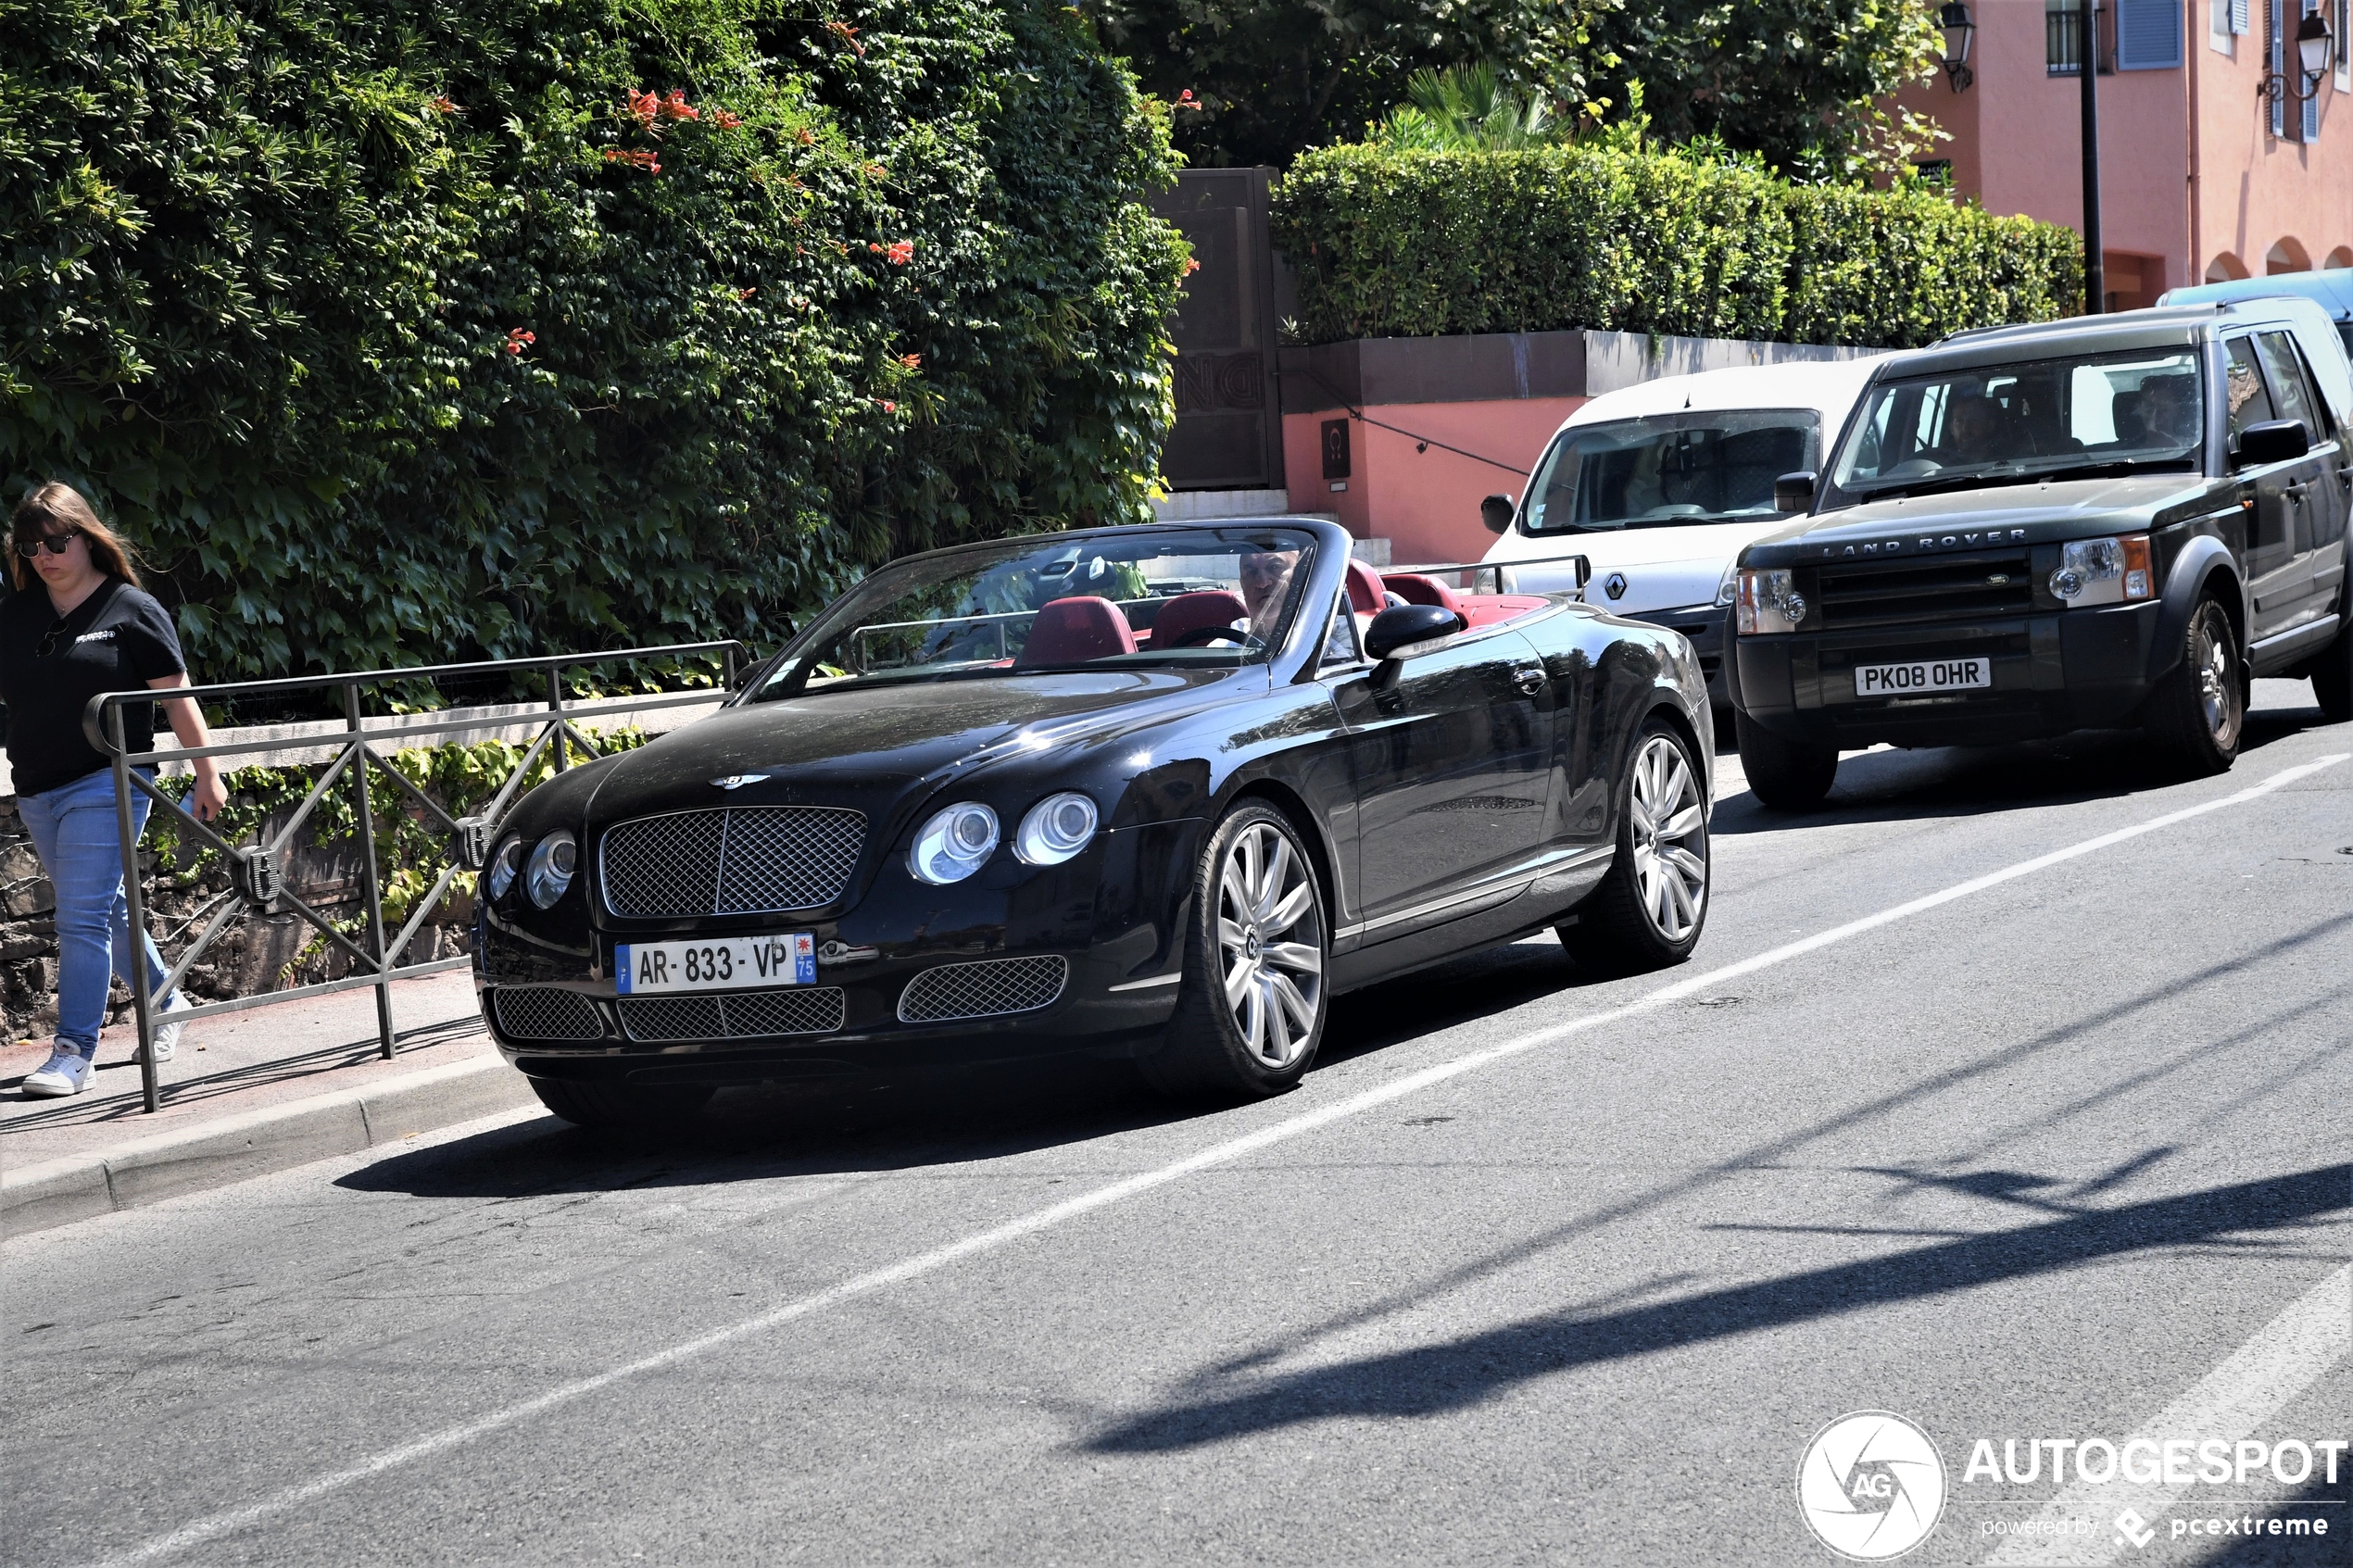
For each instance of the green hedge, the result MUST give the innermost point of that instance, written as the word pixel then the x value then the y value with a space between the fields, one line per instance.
pixel 1390 242
pixel 409 332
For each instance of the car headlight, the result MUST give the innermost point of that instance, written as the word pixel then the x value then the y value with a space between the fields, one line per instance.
pixel 1729 588
pixel 1055 829
pixel 1769 601
pixel 505 862
pixel 553 860
pixel 953 844
pixel 2104 572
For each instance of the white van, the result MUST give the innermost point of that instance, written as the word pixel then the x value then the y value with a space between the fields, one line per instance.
pixel 1660 486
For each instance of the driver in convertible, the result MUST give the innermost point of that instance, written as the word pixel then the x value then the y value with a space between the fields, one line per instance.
pixel 1265 583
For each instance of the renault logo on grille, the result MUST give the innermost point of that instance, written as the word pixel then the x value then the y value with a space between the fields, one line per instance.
pixel 737 780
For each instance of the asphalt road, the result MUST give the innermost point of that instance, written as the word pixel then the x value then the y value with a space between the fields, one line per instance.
pixel 1531 1269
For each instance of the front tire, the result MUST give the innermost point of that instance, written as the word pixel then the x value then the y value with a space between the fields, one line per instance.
pixel 622 1105
pixel 1250 1016
pixel 1785 774
pixel 2200 710
pixel 1649 911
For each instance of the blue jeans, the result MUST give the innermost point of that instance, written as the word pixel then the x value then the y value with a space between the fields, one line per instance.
pixel 74 832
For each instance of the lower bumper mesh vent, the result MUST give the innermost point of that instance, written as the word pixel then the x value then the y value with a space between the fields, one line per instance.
pixel 735 1015
pixel 545 1013
pixel 987 989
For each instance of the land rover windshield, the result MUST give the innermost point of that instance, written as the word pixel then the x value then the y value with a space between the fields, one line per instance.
pixel 1667 469
pixel 1999 424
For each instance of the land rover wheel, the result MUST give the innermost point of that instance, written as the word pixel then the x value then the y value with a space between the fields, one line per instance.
pixel 1249 1015
pixel 1649 911
pixel 622 1105
pixel 2200 709
pixel 1785 774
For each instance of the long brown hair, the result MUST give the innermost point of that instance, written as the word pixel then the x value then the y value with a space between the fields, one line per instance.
pixel 56 509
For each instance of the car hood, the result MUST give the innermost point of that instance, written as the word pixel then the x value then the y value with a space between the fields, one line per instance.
pixel 871 746
pixel 2037 513
pixel 1659 568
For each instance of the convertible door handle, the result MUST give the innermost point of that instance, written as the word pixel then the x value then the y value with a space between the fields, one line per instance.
pixel 1530 678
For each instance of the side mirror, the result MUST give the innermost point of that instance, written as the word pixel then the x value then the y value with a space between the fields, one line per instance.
pixel 1406 624
pixel 2274 441
pixel 1794 492
pixel 1496 513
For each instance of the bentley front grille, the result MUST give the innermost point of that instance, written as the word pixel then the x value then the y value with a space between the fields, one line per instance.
pixel 545 1013
pixel 733 861
pixel 734 1015
pixel 988 989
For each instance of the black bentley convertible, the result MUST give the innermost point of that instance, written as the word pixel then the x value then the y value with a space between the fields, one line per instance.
pixel 1160 792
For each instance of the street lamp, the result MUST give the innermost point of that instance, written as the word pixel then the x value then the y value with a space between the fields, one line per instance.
pixel 1958 33
pixel 2313 46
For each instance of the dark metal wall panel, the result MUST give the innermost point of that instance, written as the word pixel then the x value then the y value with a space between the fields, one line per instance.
pixel 1228 433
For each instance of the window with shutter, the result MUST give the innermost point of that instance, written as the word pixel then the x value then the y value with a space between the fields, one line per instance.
pixel 2240 22
pixel 2148 36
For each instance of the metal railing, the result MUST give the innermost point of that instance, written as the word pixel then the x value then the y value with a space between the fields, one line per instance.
pixel 255 872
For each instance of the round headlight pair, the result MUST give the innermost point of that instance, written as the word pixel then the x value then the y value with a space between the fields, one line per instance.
pixel 550 872
pixel 958 841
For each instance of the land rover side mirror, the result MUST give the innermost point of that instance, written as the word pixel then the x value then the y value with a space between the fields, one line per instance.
pixel 1403 625
pixel 2274 441
pixel 1496 513
pixel 1794 492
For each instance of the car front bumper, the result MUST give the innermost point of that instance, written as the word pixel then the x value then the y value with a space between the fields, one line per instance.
pixel 1013 963
pixel 2053 674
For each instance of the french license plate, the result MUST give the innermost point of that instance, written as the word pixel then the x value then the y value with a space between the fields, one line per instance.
pixel 1926 676
pixel 715 963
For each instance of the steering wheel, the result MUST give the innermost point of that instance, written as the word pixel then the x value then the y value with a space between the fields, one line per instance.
pixel 1202 636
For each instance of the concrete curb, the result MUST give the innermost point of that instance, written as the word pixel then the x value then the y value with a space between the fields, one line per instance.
pixel 216 1153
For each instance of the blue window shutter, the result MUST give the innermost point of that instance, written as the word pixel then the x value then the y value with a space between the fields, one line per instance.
pixel 2240 22
pixel 2148 36
pixel 2276 55
pixel 2310 131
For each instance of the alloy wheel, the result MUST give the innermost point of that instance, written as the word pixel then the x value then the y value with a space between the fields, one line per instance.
pixel 2217 682
pixel 1270 945
pixel 1670 838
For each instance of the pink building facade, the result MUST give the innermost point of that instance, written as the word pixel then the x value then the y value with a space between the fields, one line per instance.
pixel 2202 176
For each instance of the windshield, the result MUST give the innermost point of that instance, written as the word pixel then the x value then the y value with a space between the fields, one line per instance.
pixel 1668 468
pixel 1220 597
pixel 2104 413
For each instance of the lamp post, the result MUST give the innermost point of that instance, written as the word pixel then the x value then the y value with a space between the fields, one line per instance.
pixel 1959 32
pixel 2095 266
pixel 2313 46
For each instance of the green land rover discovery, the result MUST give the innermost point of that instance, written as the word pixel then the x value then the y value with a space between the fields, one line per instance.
pixel 2104 522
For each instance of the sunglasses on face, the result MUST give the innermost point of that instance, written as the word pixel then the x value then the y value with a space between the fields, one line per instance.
pixel 49 544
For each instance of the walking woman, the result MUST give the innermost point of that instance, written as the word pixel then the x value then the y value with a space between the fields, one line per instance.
pixel 76 626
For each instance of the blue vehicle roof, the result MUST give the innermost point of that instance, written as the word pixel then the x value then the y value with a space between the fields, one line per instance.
pixel 2331 290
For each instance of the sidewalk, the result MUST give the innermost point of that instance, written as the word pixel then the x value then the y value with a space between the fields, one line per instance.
pixel 245 1094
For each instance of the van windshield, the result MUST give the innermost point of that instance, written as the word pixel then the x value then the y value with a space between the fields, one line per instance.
pixel 1665 469
pixel 2006 423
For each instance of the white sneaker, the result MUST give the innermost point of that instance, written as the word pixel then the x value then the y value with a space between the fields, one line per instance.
pixel 66 1072
pixel 167 1032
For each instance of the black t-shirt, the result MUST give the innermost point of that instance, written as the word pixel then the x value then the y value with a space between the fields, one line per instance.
pixel 117 640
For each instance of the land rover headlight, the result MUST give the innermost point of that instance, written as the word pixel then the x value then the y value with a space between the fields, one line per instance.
pixel 1055 829
pixel 1769 601
pixel 2104 572
pixel 505 862
pixel 953 844
pixel 553 861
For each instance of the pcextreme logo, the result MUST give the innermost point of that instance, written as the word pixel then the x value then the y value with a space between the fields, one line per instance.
pixel 1871 1485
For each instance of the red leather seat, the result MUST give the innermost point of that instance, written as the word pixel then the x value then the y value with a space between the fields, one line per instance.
pixel 1074 631
pixel 1417 589
pixel 1366 595
pixel 1190 612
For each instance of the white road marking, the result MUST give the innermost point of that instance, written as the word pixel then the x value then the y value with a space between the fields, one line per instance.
pixel 218 1524
pixel 2233 1401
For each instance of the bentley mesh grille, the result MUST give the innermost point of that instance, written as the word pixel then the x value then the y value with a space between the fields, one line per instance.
pixel 982 990
pixel 735 1015
pixel 543 1013
pixel 733 861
